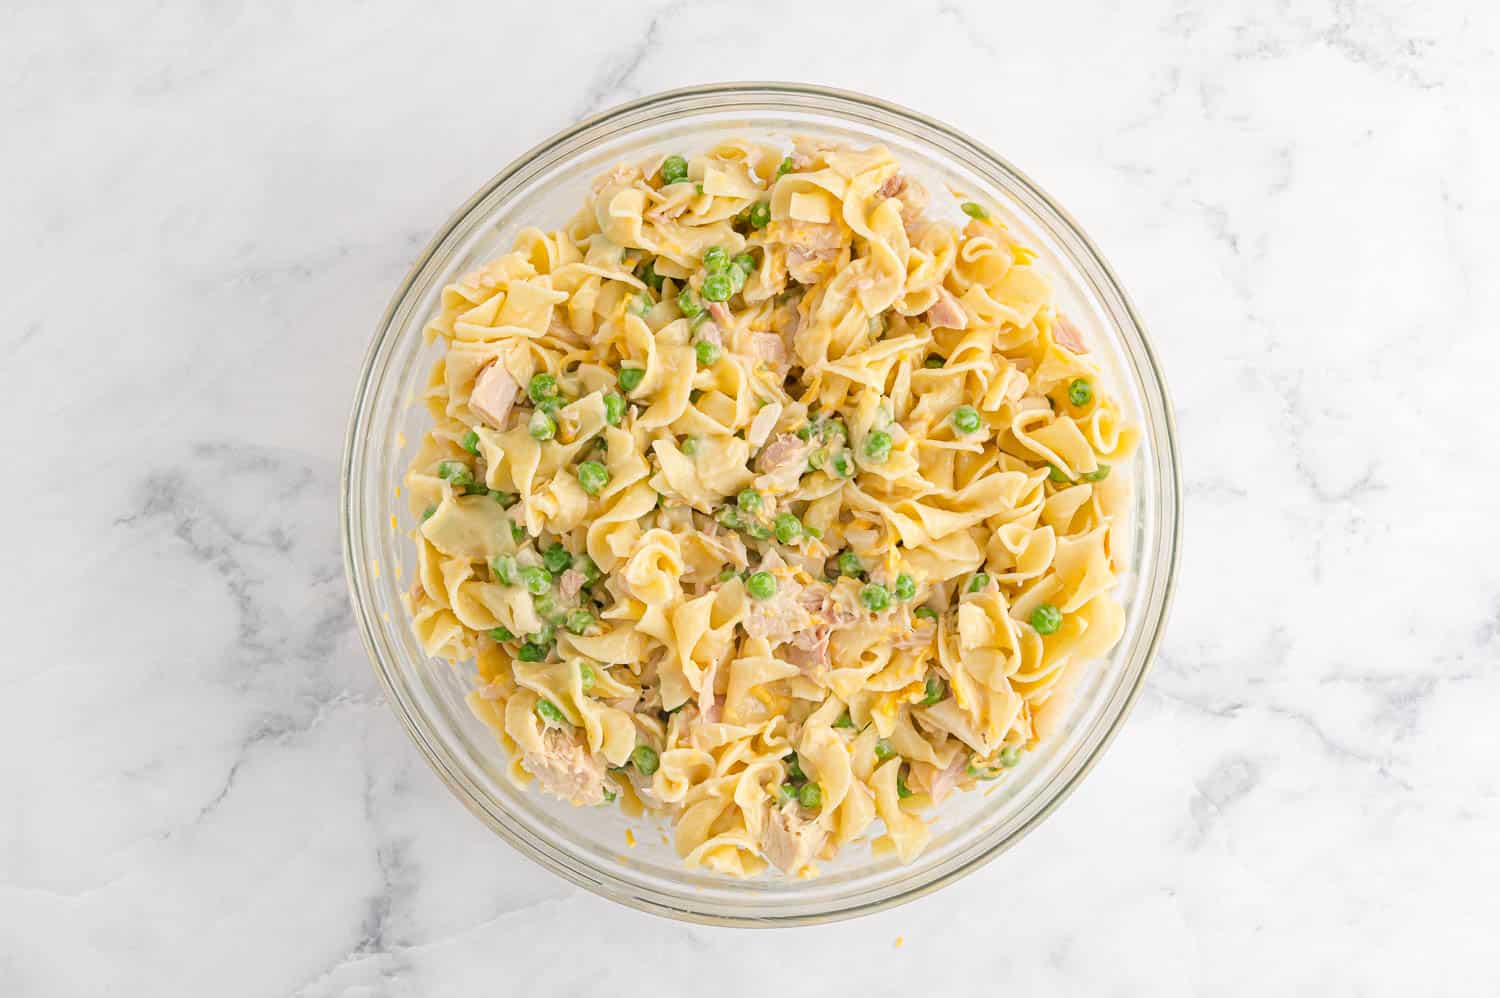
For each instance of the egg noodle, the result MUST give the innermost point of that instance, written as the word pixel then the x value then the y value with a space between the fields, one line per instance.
pixel 765 499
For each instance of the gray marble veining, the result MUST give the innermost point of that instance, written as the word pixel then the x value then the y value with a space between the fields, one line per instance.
pixel 205 209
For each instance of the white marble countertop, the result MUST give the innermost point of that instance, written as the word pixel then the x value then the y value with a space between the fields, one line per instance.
pixel 204 212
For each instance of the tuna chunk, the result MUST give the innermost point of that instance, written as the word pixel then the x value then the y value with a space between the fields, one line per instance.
pixel 912 194
pixel 945 780
pixel 566 769
pixel 805 265
pixel 807 649
pixel 789 842
pixel 721 315
pixel 808 247
pixel 946 312
pixel 494 395
pixel 779 618
pixel 571 583
pixel 782 461
pixel 1066 335
pixel 709 332
pixel 770 350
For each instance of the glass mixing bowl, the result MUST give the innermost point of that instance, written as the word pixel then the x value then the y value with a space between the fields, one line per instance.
pixel 588 845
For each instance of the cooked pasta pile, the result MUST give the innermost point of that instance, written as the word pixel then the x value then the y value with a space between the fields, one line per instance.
pixel 765 499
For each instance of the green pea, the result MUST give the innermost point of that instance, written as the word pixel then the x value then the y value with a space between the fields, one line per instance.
pixel 476 489
pixel 427 513
pixel 717 287
pixel 758 531
pixel 501 634
pixel 456 472
pixel 849 564
pixel 933 690
pixel 592 476
pixel 541 426
pixel 546 607
pixel 531 652
pixel 550 406
pixel 736 280
pixel 688 303
pixel 978 582
pixel 844 721
pixel 536 580
pixel 545 636
pixel 549 712
pixel 674 170
pixel 925 613
pixel 689 446
pixel 761 585
pixel 586 676
pixel 641 305
pixel 788 528
pixel 517 532
pixel 875 597
pixel 631 378
pixel 541 386
pixel 784 167
pixel 817 459
pixel 610 796
pixel 1080 392
pixel 644 759
pixel 579 621
pixel 614 408
pixel 1010 756
pixel 786 793
pixel 585 565
pixel 1046 619
pixel 794 767
pixel 470 442
pixel 744 262
pixel 878 446
pixel 556 558
pixel 810 796
pixel 748 501
pixel 647 273
pixel 726 573
pixel 1056 474
pixel 883 749
pixel 715 260
pixel 504 566
pixel 966 419
pixel 933 361
pixel 902 790
pixel 835 428
pixel 505 499
pixel 760 214
pixel 906 587
pixel 1099 474
pixel 974 210
pixel 843 466
pixel 708 353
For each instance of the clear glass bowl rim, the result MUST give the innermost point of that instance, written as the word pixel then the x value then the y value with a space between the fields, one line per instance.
pixel 1082 254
